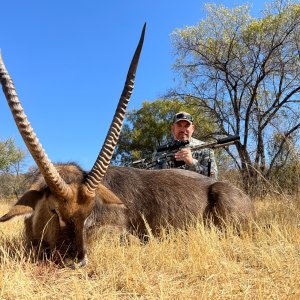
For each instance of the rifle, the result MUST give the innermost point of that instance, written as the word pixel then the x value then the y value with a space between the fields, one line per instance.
pixel 167 152
pixel 229 140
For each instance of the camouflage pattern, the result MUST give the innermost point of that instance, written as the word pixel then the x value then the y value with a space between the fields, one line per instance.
pixel 200 164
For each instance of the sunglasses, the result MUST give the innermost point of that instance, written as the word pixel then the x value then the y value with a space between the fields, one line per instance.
pixel 183 116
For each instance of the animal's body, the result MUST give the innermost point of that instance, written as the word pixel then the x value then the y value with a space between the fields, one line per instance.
pixel 175 196
pixel 146 199
pixel 64 201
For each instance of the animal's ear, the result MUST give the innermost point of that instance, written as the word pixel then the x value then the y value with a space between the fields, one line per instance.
pixel 108 196
pixel 16 210
pixel 25 205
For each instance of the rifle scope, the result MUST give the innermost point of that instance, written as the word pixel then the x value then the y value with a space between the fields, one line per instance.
pixel 174 146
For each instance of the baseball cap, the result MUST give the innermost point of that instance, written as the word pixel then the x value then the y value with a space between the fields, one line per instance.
pixel 183 116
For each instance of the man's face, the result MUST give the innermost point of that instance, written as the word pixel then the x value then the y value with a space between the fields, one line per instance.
pixel 183 130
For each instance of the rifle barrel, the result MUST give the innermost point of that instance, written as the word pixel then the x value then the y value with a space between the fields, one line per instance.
pixel 230 138
pixel 219 143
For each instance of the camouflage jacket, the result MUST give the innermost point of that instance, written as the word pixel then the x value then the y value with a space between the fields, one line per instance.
pixel 200 164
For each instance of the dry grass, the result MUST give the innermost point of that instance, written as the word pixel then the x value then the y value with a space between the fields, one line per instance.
pixel 262 263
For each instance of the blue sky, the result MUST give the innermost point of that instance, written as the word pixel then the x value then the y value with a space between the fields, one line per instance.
pixel 69 60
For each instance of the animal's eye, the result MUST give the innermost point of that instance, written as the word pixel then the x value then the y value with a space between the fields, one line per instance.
pixel 53 210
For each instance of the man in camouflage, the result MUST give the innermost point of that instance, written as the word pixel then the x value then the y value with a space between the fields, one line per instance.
pixel 201 161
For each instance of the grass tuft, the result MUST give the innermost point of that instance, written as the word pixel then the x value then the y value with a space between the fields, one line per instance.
pixel 262 262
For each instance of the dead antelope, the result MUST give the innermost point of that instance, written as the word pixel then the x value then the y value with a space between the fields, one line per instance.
pixel 64 201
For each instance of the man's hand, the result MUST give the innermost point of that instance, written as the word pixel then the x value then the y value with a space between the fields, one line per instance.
pixel 185 155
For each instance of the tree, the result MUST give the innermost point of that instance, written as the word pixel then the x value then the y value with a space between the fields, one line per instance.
pixel 10 156
pixel 286 172
pixel 245 73
pixel 150 126
pixel 11 159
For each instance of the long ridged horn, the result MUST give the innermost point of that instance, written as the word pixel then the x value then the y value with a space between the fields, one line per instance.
pixel 103 160
pixel 56 184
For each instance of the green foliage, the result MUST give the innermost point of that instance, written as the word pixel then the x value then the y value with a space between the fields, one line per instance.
pixel 10 155
pixel 244 73
pixel 150 126
pixel 12 183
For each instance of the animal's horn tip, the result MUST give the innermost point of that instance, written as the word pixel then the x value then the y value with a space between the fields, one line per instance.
pixel 140 45
pixel 144 29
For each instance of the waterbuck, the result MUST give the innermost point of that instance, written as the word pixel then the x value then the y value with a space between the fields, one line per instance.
pixel 64 201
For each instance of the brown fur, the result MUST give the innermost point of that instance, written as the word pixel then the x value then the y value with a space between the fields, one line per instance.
pixel 63 206
pixel 129 199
